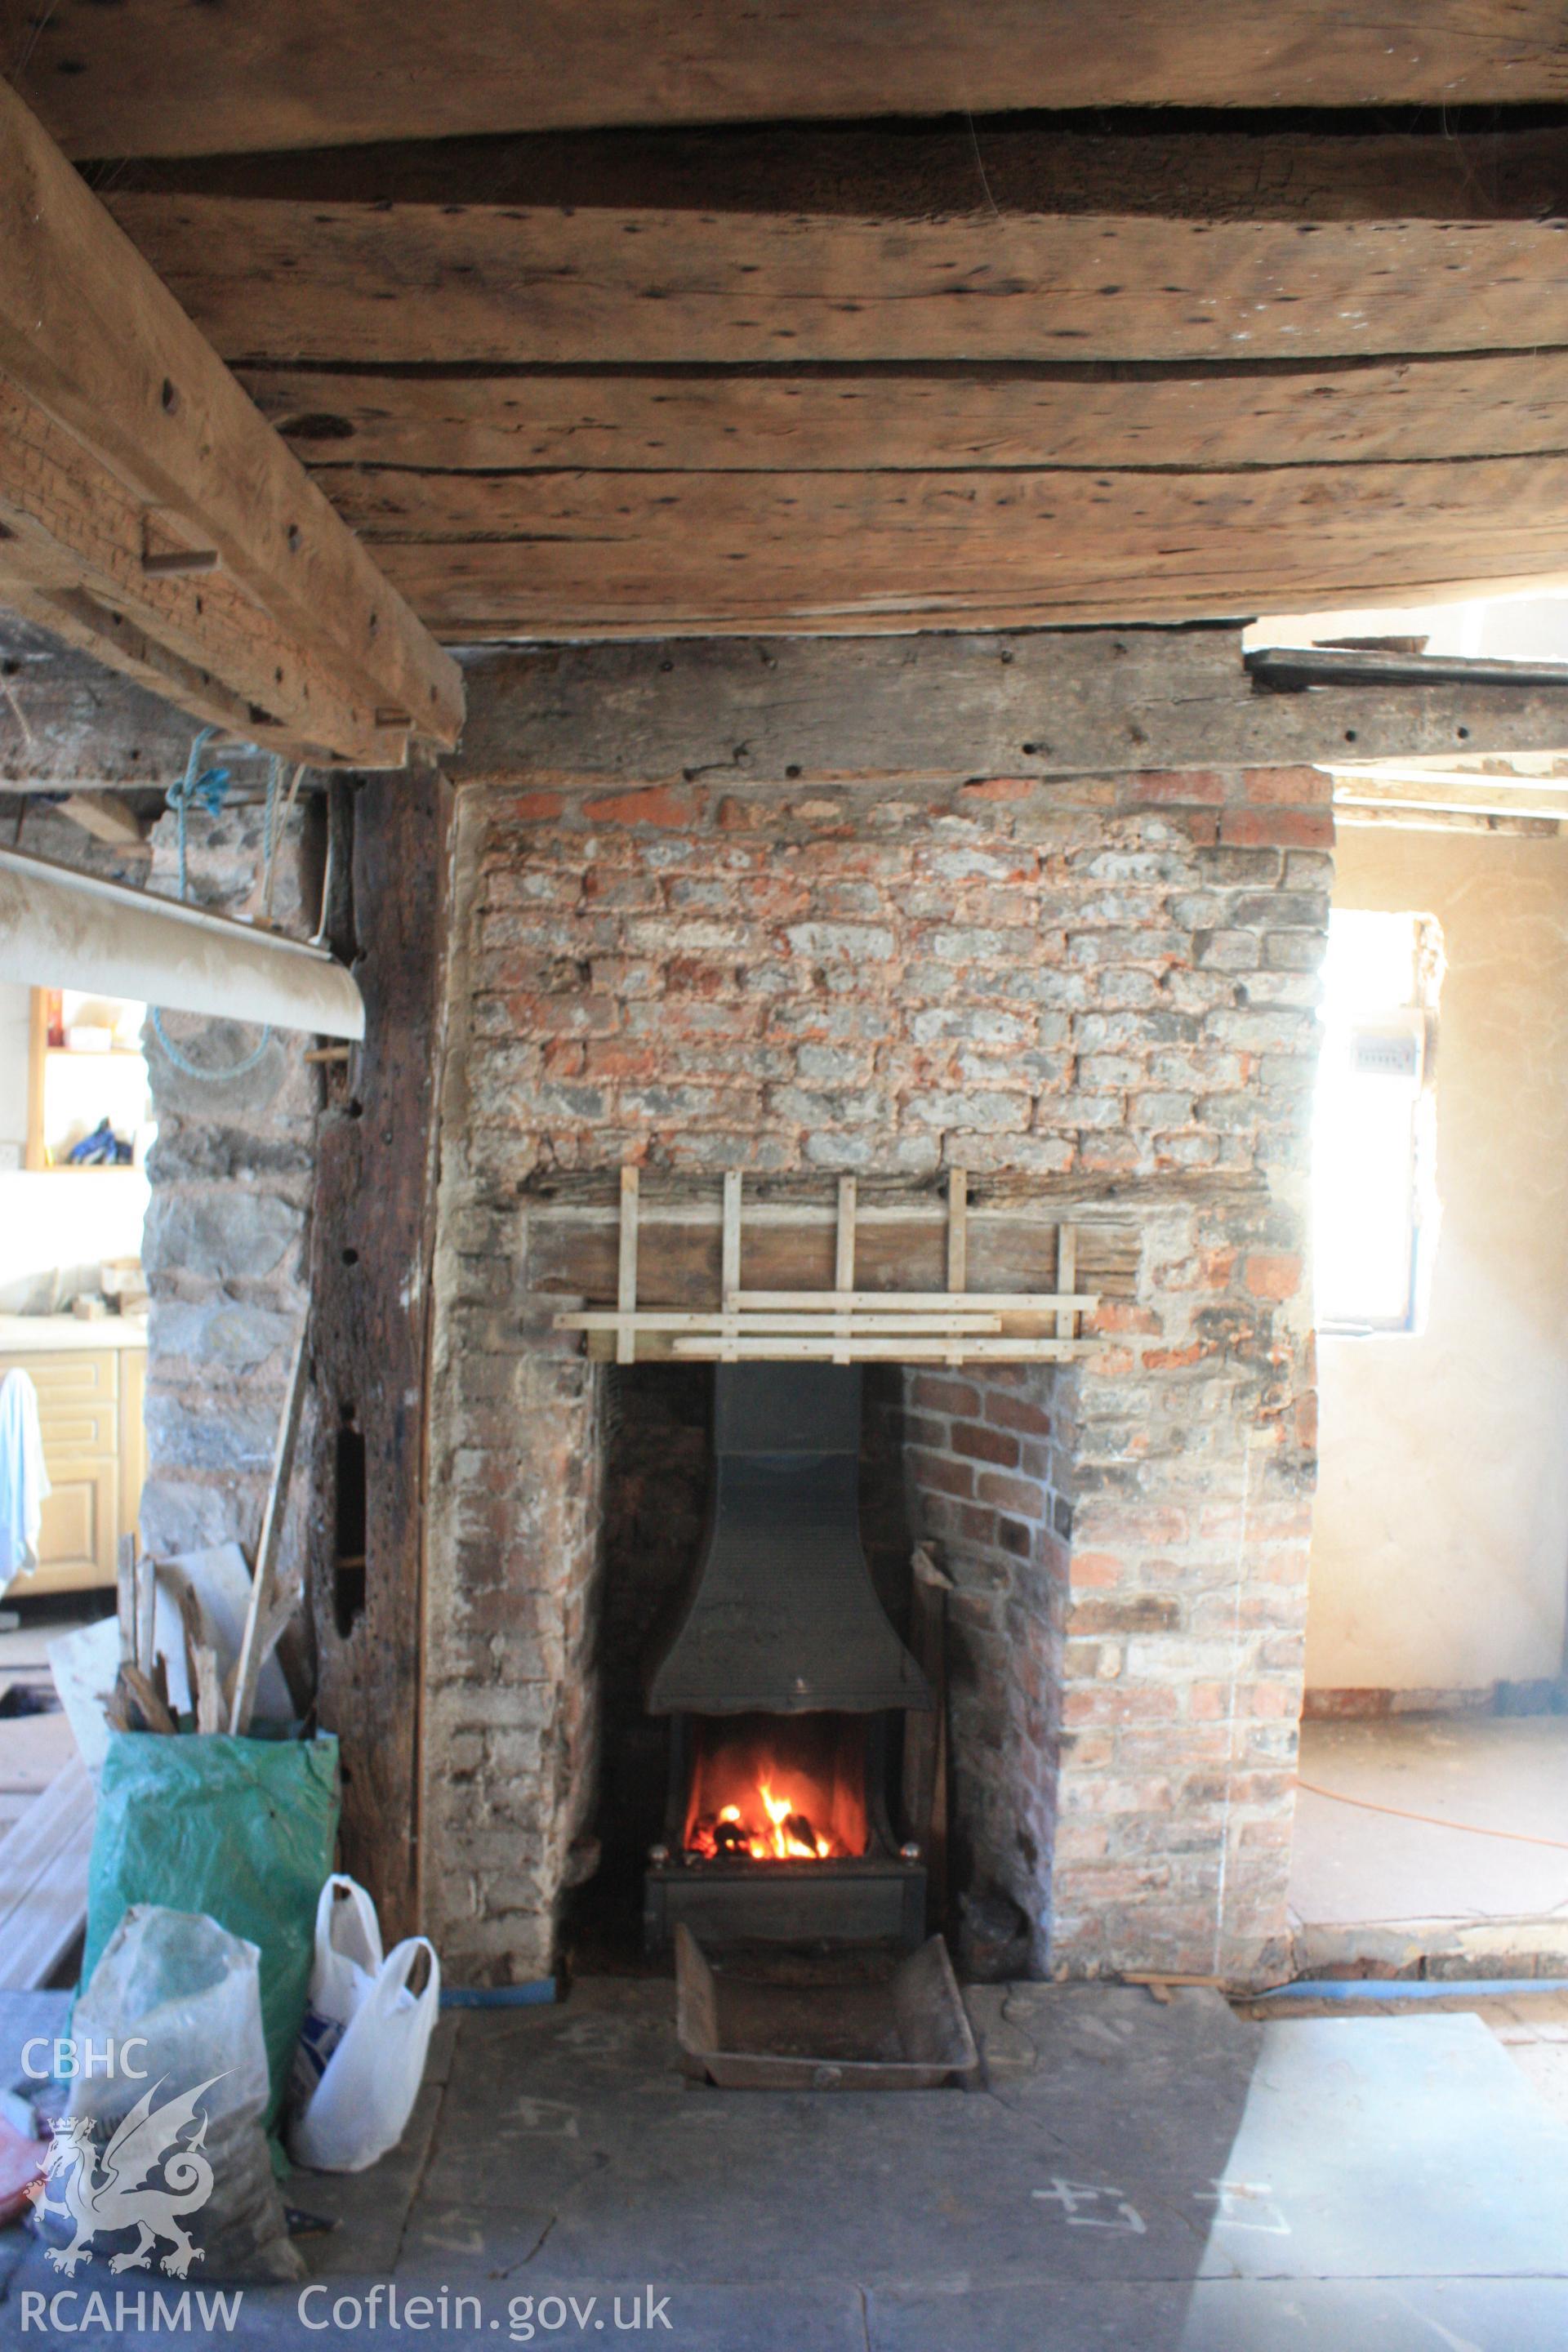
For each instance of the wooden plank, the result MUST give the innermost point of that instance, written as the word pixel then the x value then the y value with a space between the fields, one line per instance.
pixel 950 707
pixel 954 1302
pixel 1067 1278
pixel 145 1585
pixel 1477 797
pixel 75 536
pixel 89 334
pixel 844 1241
pixel 286 281
pixel 159 78
pixel 107 819
pixel 849 1347
pixel 371 1242
pixel 34 1150
pixel 1430 819
pixel 626 1284
pixel 730 1280
pixel 527 551
pixel 778 1323
pixel 259 1632
pixel 957 1231
pixel 43 1880
pixel 680 1263
pixel 125 1584
pixel 1463 405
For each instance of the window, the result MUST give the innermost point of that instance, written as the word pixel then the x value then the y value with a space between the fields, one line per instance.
pixel 1375 1211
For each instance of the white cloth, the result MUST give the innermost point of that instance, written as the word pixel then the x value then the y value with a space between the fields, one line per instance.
pixel 23 1481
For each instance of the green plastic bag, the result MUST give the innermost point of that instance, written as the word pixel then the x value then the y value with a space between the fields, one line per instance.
pixel 242 1828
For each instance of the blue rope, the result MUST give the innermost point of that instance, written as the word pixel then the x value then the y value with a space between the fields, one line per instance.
pixel 194 1069
pixel 208 788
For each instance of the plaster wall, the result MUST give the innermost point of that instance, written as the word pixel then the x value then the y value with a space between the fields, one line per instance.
pixel 1439 1557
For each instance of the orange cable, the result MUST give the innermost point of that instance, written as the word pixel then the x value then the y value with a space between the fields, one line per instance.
pixel 1433 1820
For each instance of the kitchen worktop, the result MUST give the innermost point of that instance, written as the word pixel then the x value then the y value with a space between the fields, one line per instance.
pixel 47 1334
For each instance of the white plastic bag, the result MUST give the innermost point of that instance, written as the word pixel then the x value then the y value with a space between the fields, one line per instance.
pixel 347 1962
pixel 360 2105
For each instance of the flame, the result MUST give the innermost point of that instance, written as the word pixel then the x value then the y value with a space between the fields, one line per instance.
pixel 771 1791
pixel 782 1832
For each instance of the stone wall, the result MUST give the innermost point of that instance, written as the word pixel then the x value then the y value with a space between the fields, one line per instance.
pixel 1105 985
pixel 224 1244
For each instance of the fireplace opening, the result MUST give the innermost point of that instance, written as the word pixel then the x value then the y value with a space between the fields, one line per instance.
pixel 781 1672
pixel 776 1788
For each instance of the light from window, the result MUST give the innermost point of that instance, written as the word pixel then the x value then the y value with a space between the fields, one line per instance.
pixel 1373 1209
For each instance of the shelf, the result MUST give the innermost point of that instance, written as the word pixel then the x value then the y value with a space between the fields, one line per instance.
pixel 81 1054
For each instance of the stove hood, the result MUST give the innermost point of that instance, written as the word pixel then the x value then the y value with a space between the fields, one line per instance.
pixel 783 1618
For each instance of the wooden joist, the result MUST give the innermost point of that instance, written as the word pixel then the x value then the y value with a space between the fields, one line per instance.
pixel 159 77
pixel 96 355
pixel 540 553
pixel 1461 404
pixel 285 280
pixel 953 707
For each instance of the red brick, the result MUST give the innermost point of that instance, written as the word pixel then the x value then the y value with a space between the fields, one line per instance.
pixel 1278 828
pixel 1096 1569
pixel 1274 1276
pixel 1288 787
pixel 935 1472
pixel 983 1444
pixel 655 805
pixel 1000 788
pixel 1017 1412
pixel 533 808
pixel 1011 1494
pixel 937 1395
pixel 1194 787
pixel 1105 1703
pixel 1121 1314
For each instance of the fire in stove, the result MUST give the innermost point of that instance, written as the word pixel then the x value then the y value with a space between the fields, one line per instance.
pixel 779 1791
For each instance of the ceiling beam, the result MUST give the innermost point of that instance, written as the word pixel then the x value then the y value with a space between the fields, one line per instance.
pixel 148 509
pixel 82 554
pixel 158 77
pixel 951 707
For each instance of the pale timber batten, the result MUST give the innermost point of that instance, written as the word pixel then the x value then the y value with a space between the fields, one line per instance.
pixel 125 438
pixel 838 1324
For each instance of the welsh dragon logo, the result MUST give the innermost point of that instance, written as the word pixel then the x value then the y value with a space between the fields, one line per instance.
pixel 102 2196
